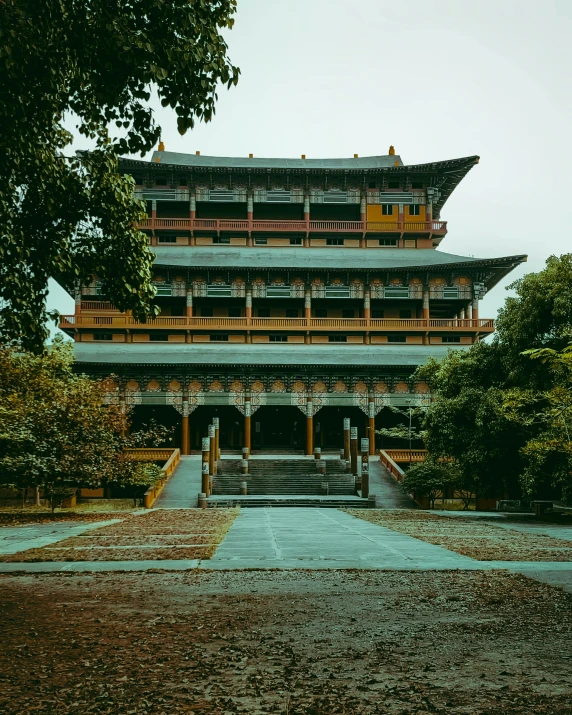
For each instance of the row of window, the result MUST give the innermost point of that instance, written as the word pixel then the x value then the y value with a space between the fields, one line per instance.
pixel 413 209
pixel 295 313
pixel 223 338
pixel 165 238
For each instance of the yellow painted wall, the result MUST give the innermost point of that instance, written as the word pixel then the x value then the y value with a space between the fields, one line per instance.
pixel 374 214
pixel 413 219
pixel 177 338
pixel 140 337
pixel 295 338
pixel 182 241
pixel 118 338
pixel 355 338
pixel 238 241
pixel 379 338
pixel 236 338
pixel 319 338
pixel 260 339
pixel 201 338
pixel 414 339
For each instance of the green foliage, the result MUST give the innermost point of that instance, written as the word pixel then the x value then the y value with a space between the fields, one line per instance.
pixel 71 217
pixel 57 432
pixel 503 410
pixel 430 478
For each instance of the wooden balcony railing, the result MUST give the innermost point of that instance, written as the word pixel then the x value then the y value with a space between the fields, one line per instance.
pixel 325 324
pixel 218 225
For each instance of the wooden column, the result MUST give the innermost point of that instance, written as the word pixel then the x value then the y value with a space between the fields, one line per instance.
pixel 309 428
pixel 193 206
pixel 371 427
pixel 205 482
pixel 247 425
pixel 475 308
pixel 354 449
pixel 307 213
pixel 308 306
pixel 212 459
pixel 248 305
pixel 347 426
pixel 185 435
pixel 216 423
pixel 189 309
pixel 77 298
pixel 367 306
pixel 426 304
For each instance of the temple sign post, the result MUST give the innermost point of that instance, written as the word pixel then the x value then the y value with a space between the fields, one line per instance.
pixel 247 420
pixel 205 485
pixel 216 423
pixel 365 468
pixel 212 459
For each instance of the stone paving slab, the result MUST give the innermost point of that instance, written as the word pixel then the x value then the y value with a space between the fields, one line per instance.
pixel 33 536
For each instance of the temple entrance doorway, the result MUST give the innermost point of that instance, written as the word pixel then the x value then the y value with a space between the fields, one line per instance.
pixel 276 428
pixel 329 426
pixel 231 427
pixel 143 415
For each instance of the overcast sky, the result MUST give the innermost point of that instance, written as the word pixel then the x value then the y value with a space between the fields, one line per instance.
pixel 439 79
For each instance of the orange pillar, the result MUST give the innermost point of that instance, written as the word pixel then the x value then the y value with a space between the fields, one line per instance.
pixel 216 423
pixel 475 308
pixel 354 449
pixel 309 433
pixel 308 306
pixel 347 427
pixel 189 303
pixel 307 220
pixel 367 306
pixel 426 304
pixel 248 305
pixel 185 435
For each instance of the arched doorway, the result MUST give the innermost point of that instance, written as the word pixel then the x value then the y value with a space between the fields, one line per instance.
pixel 277 428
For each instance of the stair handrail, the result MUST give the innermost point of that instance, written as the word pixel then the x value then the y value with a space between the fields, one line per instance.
pixel 393 468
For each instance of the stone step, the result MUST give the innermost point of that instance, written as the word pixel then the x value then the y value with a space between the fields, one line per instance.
pixel 316 502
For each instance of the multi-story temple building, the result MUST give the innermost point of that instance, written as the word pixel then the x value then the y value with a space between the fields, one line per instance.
pixel 293 293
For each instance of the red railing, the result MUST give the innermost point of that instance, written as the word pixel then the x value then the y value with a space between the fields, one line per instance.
pixel 360 324
pixel 199 224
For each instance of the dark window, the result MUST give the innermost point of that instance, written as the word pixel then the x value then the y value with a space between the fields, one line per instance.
pixel 264 312
pixel 337 338
pixel 387 209
pixel 451 339
pixel 416 184
pixel 158 337
pixel 167 239
pixel 102 336
pixel 221 239
pixel 321 313
pixel 372 185
pixel 206 312
pixel 295 241
pixel 334 241
pixel 388 242
pixel 376 313
pixel 291 312
pixel 261 241
pixel 278 338
pixel 393 184
pixel 160 180
pixel 234 312
pixel 218 338
pixel 414 210
pixel 396 339
pixel 347 313
pixel 405 314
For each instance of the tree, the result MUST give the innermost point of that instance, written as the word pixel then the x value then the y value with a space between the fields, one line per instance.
pixel 406 432
pixel 57 433
pixel 547 415
pixel 430 478
pixel 72 217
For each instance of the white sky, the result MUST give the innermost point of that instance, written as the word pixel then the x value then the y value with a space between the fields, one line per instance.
pixel 439 79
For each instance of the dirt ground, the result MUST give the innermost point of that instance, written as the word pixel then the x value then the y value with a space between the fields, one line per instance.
pixel 470 537
pixel 313 643
pixel 162 534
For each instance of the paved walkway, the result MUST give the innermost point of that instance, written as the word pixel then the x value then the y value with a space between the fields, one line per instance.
pixel 34 536
pixel 183 488
pixel 388 493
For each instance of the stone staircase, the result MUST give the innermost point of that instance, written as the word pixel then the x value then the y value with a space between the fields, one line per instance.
pixel 279 477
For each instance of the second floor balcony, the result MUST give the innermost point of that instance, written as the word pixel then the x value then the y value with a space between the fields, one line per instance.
pixel 363 228
pixel 470 325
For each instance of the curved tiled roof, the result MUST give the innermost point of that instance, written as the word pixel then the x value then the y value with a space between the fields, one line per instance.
pixel 374 356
